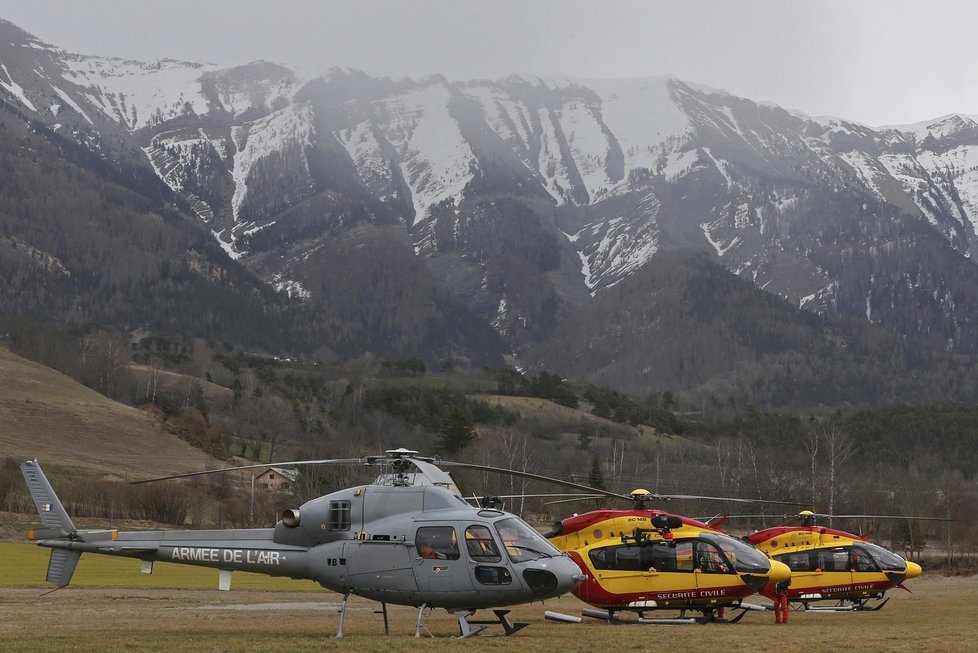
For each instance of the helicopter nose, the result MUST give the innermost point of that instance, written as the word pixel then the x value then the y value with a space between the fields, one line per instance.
pixel 913 570
pixel 561 575
pixel 779 572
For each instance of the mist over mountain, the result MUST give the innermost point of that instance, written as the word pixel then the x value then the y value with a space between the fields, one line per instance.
pixel 647 234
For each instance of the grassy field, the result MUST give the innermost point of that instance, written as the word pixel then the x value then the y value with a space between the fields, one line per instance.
pixel 548 410
pixel 112 607
pixel 46 415
pixel 25 564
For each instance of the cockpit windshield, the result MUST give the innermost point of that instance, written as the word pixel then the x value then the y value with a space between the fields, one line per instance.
pixel 887 560
pixel 743 557
pixel 522 543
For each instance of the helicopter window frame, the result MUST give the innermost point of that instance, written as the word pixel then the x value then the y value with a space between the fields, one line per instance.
pixel 480 544
pixel 340 515
pixel 437 543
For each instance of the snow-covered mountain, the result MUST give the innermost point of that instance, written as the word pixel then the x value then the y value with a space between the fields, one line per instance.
pixel 526 198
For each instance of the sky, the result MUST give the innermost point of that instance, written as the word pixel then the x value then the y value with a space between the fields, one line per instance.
pixel 879 62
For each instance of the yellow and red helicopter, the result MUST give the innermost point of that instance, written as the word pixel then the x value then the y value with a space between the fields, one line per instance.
pixel 833 570
pixel 641 559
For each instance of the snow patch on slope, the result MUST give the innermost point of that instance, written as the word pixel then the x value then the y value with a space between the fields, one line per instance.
pixel 236 99
pixel 643 116
pixel 589 146
pixel 612 249
pixel 959 165
pixel 16 90
pixel 435 159
pixel 368 157
pixel 721 167
pixel 504 115
pixel 550 162
pixel 74 105
pixel 866 167
pixel 258 139
pixel 677 164
pixel 139 94
pixel 913 177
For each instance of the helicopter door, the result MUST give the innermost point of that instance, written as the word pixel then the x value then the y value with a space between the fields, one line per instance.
pixel 712 569
pixel 438 565
pixel 384 565
pixel 864 567
pixel 490 571
pixel 832 569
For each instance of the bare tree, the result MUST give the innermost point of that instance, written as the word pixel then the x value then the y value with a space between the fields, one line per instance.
pixel 615 461
pixel 839 447
pixel 105 365
pixel 811 445
pixel 153 381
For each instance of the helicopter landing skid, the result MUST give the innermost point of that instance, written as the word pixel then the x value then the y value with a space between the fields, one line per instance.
pixel 466 629
pixel 667 620
pixel 419 624
pixel 708 616
pixel 339 631
pixel 860 605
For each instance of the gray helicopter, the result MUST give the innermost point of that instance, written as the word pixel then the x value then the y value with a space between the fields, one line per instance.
pixel 409 538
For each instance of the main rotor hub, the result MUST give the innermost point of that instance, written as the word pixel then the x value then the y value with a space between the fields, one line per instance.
pixel 400 453
pixel 640 497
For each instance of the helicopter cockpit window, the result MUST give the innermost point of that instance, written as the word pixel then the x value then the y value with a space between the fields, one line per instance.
pixel 522 542
pixel 437 543
pixel 709 559
pixel 887 560
pixel 480 545
pixel 861 560
pixel 339 515
pixel 743 557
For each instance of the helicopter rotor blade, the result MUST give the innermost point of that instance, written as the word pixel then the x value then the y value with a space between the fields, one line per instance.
pixel 826 515
pixel 606 493
pixel 292 463
pixel 695 497
pixel 537 477
pixel 580 497
pixel 570 497
pixel 883 517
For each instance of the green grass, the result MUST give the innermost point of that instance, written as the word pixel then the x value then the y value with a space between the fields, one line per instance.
pixel 25 565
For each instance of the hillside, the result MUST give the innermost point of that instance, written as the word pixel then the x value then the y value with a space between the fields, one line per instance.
pixel 46 415
pixel 715 334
